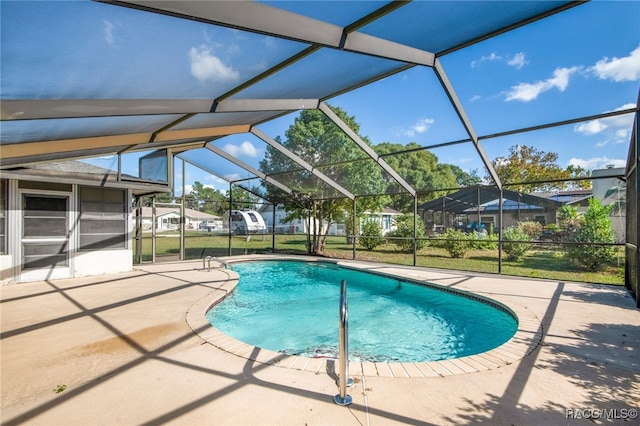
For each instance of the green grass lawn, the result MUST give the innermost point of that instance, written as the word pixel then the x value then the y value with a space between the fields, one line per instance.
pixel 539 262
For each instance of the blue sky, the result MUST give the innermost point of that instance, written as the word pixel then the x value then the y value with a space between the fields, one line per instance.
pixel 582 62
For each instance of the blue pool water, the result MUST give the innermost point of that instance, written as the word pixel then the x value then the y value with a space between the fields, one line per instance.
pixel 293 307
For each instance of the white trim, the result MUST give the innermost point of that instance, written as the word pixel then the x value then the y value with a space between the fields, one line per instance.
pixel 46 273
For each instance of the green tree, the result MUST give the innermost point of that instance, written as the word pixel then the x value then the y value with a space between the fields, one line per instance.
pixel 318 141
pixel 421 169
pixel 526 164
pixel 242 199
pixel 596 228
pixel 208 199
pixel 160 197
pixel 464 179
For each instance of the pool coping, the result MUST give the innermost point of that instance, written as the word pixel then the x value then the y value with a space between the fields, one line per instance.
pixel 526 338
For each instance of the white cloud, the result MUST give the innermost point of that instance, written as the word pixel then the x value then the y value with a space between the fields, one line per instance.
pixel 616 129
pixel 591 127
pixel 108 33
pixel 619 69
pixel 526 92
pixel 246 148
pixel 597 162
pixel 421 126
pixel 232 176
pixel 215 179
pixel 518 60
pixel 491 57
pixel 205 66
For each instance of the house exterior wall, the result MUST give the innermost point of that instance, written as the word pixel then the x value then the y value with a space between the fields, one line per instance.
pixel 600 188
pixel 292 226
pixel 6 268
pixel 98 231
pixel 93 263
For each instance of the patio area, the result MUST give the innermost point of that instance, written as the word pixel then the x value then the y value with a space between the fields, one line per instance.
pixel 119 349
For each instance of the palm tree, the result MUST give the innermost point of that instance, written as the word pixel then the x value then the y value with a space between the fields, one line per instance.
pixel 570 220
pixel 616 197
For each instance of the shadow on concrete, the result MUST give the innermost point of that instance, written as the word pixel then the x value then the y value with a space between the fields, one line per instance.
pixel 239 381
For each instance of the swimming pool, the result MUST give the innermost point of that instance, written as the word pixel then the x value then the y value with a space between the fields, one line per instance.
pixel 292 307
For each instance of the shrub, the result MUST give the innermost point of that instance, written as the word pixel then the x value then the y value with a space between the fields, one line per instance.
pixel 513 244
pixel 532 229
pixel 403 235
pixel 371 235
pixel 551 232
pixel 451 241
pixel 483 241
pixel 596 228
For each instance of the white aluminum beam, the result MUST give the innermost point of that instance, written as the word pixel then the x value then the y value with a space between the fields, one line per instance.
pixel 303 163
pixel 457 105
pixel 264 19
pixel 72 108
pixel 366 148
pixel 247 167
pixel 249 105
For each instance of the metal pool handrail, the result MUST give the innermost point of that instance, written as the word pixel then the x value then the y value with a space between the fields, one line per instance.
pixel 342 398
pixel 210 258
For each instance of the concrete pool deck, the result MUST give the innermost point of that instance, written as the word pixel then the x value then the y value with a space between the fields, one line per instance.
pixel 132 348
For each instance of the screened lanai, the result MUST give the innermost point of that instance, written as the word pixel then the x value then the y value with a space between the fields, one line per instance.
pixel 417 99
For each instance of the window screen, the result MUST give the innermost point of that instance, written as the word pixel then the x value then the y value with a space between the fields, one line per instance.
pixel 103 218
pixel 44 230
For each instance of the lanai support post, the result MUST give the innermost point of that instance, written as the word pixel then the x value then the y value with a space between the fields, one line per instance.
pixel 182 214
pixel 500 233
pixel 355 223
pixel 229 221
pixel 154 222
pixel 273 228
pixel 415 229
pixel 139 229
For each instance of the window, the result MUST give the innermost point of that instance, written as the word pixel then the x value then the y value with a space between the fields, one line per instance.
pixel 253 217
pixel 386 222
pixel 486 219
pixel 103 218
pixel 540 218
pixel 45 228
pixel 154 166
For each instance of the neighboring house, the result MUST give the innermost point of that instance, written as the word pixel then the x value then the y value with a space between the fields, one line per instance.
pixel 168 219
pixel 386 219
pixel 66 220
pixel 294 226
pixel 477 208
pixel 578 198
pixel 611 190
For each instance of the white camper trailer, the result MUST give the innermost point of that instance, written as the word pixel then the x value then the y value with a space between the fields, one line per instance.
pixel 244 222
